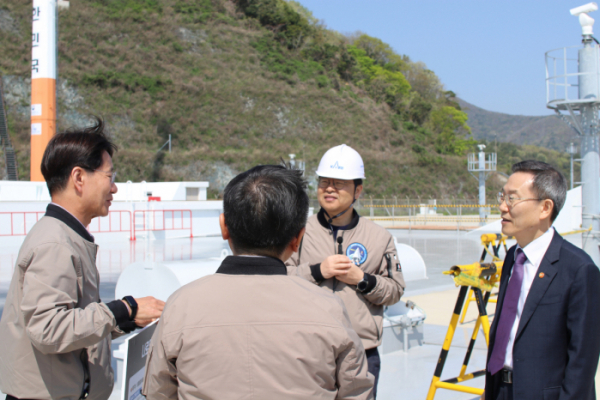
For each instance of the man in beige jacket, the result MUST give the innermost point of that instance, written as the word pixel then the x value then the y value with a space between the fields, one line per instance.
pixel 347 255
pixel 250 331
pixel 55 332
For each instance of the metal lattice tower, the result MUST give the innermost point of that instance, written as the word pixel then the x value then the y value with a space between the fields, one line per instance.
pixel 479 163
pixel 573 92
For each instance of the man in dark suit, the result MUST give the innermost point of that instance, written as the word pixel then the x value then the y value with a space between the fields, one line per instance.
pixel 545 338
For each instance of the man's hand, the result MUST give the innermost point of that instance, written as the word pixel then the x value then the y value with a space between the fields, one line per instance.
pixel 353 276
pixel 149 310
pixel 335 265
pixel 483 395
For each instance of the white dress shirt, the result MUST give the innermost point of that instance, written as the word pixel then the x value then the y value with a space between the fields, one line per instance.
pixel 534 252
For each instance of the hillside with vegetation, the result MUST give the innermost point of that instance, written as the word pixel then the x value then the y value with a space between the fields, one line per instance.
pixel 240 83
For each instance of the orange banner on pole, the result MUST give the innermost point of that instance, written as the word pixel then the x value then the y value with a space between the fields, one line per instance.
pixel 43 121
pixel 43 82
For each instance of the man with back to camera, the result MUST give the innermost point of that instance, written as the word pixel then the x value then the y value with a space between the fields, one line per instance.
pixel 55 333
pixel 545 339
pixel 350 256
pixel 250 330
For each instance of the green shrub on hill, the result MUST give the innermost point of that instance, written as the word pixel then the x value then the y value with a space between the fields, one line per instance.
pixel 383 83
pixel 451 126
pixel 136 10
pixel 289 26
pixel 195 12
pixel 286 68
pixel 129 81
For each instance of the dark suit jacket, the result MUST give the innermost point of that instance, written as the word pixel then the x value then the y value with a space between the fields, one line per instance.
pixel 556 349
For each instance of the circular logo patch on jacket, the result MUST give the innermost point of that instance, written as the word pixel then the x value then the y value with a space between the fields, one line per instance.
pixel 357 253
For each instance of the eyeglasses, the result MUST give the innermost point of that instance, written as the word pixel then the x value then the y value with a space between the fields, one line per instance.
pixel 113 175
pixel 511 200
pixel 325 183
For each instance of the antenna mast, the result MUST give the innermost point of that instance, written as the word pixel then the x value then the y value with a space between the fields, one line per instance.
pixel 573 86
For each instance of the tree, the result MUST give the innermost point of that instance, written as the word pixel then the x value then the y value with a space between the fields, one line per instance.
pixel 423 80
pixel 419 109
pixel 453 132
pixel 289 26
pixel 380 52
pixel 386 83
pixel 303 11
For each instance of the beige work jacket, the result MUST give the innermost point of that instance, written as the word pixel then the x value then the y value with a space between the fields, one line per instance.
pixel 373 243
pixel 52 316
pixel 252 332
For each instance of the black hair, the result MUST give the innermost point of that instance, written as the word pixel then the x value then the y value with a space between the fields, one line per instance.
pixel 265 208
pixel 548 183
pixel 74 148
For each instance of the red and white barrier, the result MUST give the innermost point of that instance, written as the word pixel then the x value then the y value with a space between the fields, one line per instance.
pixel 162 220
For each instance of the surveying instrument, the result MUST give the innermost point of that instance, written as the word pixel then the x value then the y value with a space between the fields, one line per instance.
pixel 478 278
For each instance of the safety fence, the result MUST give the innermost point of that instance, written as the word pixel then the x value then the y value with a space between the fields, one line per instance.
pixel 443 222
pixel 115 221
pixel 397 207
pixel 423 220
pixel 428 205
pixel 19 223
pixel 162 220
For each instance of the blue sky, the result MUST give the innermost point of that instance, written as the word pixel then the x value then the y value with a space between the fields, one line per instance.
pixel 491 53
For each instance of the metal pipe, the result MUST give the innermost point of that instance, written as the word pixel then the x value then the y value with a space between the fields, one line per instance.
pixel 590 154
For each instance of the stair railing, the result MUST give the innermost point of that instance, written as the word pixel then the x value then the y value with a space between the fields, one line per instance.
pixel 10 159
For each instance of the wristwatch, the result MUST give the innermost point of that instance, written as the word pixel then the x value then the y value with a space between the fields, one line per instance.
pixel 133 305
pixel 362 285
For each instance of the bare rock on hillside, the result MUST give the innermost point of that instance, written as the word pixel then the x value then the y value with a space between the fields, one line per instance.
pixel 217 174
pixel 220 176
pixel 195 38
pixel 8 23
pixel 17 94
pixel 249 103
pixel 69 95
pixel 70 119
pixel 282 115
pixel 71 105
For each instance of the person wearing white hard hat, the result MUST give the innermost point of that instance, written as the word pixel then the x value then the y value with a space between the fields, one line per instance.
pixel 348 255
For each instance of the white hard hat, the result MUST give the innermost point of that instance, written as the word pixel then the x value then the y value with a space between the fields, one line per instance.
pixel 341 162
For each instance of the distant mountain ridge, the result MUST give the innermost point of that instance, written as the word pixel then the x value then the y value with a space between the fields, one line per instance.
pixel 546 131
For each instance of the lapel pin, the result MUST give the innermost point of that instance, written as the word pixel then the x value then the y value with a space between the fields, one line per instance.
pixel 542 274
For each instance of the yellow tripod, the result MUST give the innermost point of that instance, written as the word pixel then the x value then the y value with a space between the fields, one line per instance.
pixel 480 278
pixel 491 247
